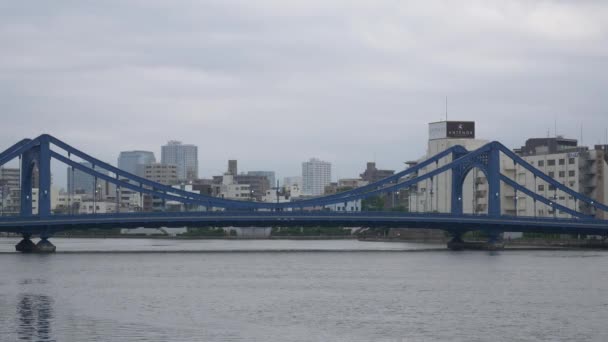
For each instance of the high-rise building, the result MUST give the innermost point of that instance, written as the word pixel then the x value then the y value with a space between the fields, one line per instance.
pixel 134 161
pixel 433 195
pixel 316 174
pixel 184 157
pixel 268 174
pixel 84 183
pixel 233 168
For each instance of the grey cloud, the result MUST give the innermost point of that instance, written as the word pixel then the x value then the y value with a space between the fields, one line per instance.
pixel 273 83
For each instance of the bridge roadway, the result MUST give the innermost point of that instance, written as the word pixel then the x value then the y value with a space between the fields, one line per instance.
pixel 462 223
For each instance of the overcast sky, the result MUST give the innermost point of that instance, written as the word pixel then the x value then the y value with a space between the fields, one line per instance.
pixel 273 83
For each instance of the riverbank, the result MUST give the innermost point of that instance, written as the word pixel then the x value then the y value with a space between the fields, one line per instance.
pixel 202 237
pixel 516 243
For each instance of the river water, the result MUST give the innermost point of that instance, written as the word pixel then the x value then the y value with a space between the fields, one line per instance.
pixel 218 290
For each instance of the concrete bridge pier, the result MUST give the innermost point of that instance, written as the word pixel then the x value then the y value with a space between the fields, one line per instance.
pixel 45 246
pixel 456 243
pixel 26 245
pixel 495 242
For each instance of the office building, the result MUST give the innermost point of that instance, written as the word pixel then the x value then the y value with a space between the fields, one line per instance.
pixel 160 173
pixel 434 195
pixel 185 157
pixel 256 183
pixel 80 182
pixel 316 174
pixel 373 174
pixel 166 174
pixel 134 161
pixel 582 169
pixel 344 184
pixel 230 189
pixel 294 180
pixel 233 168
pixel 270 175
pixel 10 177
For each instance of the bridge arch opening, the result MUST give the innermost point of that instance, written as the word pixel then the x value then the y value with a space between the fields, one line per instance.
pixel 474 185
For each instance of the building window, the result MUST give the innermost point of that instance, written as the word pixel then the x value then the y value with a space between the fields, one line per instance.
pixel 571 161
pixel 551 187
pixel 551 174
pixel 551 162
pixel 562 162
pixel 541 163
pixel 541 187
pixel 571 173
pixel 562 174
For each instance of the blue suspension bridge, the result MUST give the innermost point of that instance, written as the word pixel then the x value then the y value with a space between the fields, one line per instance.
pixel 457 162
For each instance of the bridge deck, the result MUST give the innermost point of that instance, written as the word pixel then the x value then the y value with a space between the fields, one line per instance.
pixel 54 223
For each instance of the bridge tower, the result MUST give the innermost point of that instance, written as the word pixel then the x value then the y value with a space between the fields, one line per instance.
pixel 489 164
pixel 38 156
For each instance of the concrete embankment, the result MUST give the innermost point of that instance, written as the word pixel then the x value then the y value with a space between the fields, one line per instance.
pixel 511 244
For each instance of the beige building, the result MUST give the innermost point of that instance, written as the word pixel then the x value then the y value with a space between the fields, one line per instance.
pixel 581 169
pixel 229 189
pixel 161 173
pixel 10 177
pixel 435 195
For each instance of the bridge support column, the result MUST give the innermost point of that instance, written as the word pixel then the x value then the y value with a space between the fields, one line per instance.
pixel 45 246
pixel 495 242
pixel 26 245
pixel 456 243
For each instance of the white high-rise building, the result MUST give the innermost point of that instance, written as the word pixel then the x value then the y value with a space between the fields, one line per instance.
pixel 134 161
pixel 316 174
pixel 185 157
pixel 435 195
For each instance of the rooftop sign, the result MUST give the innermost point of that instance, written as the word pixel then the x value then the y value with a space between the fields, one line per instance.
pixel 452 129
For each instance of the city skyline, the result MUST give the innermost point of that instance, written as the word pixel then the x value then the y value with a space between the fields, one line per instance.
pixel 220 168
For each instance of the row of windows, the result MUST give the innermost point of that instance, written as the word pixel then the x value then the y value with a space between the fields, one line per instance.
pixel 562 174
pixel 541 187
pixel 551 162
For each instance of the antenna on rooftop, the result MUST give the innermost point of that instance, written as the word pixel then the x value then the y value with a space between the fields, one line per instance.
pixel 555 123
